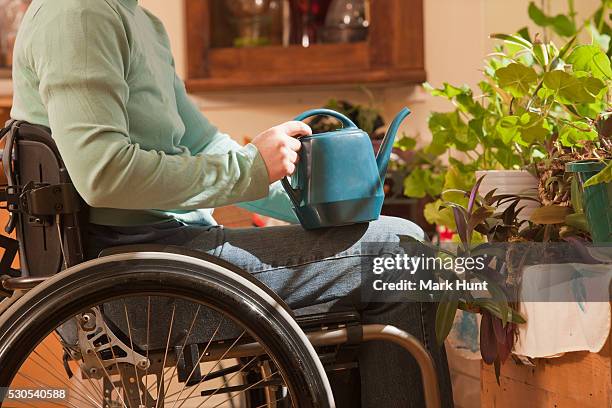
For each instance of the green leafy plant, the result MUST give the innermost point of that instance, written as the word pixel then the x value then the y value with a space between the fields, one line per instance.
pixel 538 106
pixel 496 217
pixel 499 317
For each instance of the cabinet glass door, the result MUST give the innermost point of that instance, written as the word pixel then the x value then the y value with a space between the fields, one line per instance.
pixel 256 23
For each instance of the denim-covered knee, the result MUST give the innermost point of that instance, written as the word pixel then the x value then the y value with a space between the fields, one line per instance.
pixel 391 229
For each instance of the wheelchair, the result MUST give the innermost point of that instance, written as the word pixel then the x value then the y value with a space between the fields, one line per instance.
pixel 152 326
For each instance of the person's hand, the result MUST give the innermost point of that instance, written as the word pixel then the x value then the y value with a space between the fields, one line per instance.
pixel 278 147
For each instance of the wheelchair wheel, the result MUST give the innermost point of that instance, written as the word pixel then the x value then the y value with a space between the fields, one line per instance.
pixel 157 330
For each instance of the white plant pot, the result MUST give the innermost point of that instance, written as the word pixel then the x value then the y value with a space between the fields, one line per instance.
pixel 518 182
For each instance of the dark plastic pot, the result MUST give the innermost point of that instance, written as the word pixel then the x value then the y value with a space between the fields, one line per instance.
pixel 596 200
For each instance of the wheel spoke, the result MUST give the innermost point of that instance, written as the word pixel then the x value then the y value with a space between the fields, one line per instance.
pixel 95 389
pixel 246 389
pixel 201 356
pixel 211 373
pixel 226 382
pixel 152 386
pixel 216 364
pixel 147 368
pixel 195 315
pixel 161 387
pixel 266 404
pixel 127 320
pixel 108 377
pixel 45 386
pixel 110 342
pixel 26 404
pixel 51 370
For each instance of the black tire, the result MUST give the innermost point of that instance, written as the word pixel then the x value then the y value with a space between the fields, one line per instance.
pixel 41 310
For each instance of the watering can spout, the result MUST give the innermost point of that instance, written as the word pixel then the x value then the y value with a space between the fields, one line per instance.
pixel 384 153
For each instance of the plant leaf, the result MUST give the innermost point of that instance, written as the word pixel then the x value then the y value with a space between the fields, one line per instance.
pixel 516 79
pixel 534 133
pixel 454 180
pixel 604 176
pixel 567 47
pixel 563 25
pixel 499 330
pixel 461 222
pixel 492 307
pixel 591 58
pixel 415 184
pixel 524 33
pixel 504 353
pixel 502 301
pixel 405 143
pixel 497 365
pixel 513 39
pixel 445 315
pixel 550 215
pixel 578 221
pixel 474 194
pixel 488 345
pixel 572 134
pixel 566 86
pixel 436 215
pixel 478 217
pixel 538 16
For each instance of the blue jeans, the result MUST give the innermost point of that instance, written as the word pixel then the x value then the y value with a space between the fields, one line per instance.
pixel 317 269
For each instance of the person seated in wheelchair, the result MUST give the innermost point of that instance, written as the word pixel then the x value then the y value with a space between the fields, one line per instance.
pixel 101 76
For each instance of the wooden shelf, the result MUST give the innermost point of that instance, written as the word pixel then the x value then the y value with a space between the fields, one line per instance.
pixel 394 53
pixel 365 77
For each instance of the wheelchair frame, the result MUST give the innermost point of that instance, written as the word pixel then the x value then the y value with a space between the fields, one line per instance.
pixel 48 216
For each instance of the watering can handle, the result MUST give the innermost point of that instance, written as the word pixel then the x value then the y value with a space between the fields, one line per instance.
pixel 346 122
pixel 294 194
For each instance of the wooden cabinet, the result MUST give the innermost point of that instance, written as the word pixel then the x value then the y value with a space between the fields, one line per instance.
pixel 393 52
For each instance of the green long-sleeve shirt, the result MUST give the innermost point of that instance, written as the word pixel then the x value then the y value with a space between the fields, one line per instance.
pixel 101 75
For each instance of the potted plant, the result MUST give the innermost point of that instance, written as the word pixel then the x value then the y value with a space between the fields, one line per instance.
pixel 591 180
pixel 538 107
pixel 481 225
pixel 499 317
pixel 593 187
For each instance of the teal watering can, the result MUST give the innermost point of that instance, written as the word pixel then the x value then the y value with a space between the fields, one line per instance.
pixel 339 180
